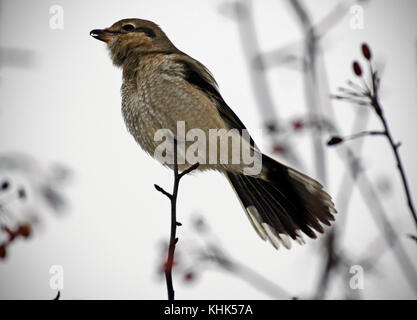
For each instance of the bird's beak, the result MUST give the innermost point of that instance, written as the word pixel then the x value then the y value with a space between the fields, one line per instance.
pixel 103 35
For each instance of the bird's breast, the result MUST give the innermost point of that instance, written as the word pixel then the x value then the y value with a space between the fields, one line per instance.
pixel 141 117
pixel 153 101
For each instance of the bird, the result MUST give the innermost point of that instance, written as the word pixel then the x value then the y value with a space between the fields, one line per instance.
pixel 162 86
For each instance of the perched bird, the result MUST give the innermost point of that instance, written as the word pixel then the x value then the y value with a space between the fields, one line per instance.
pixel 163 86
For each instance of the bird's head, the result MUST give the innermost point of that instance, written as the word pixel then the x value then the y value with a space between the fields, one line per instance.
pixel 133 37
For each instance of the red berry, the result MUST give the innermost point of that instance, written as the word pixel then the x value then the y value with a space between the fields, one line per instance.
pixel 357 68
pixel 366 51
pixel 278 149
pixel 298 124
pixel 24 230
pixel 189 276
pixel 2 251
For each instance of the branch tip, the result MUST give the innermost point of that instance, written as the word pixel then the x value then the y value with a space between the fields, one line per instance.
pixel 161 190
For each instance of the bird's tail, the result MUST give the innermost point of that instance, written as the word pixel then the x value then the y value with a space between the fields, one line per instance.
pixel 283 203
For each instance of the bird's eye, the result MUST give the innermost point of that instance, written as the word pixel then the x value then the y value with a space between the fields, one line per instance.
pixel 128 27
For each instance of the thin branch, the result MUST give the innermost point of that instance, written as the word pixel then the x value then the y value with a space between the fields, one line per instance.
pixel 260 282
pixel 337 139
pixel 213 253
pixel 58 295
pixel 394 147
pixel 158 188
pixel 174 223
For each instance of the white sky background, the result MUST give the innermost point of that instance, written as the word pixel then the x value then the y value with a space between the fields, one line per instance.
pixel 66 109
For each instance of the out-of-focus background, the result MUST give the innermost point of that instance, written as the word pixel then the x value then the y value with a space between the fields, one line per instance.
pixel 96 220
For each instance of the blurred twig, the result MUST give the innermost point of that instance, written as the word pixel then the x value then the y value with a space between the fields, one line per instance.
pixel 215 254
pixel 268 110
pixel 413 237
pixel 207 251
pixel 315 103
pixel 16 58
pixel 332 243
pixel 26 189
pixel 310 84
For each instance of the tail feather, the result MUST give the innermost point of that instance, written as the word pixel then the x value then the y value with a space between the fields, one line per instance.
pixel 283 203
pixel 259 206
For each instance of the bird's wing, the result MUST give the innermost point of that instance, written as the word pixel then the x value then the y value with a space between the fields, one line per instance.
pixel 200 77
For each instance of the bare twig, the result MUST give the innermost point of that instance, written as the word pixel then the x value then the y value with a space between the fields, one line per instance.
pixel 312 71
pixel 174 223
pixel 215 254
pixel 58 295
pixel 337 139
pixel 394 147
pixel 212 253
